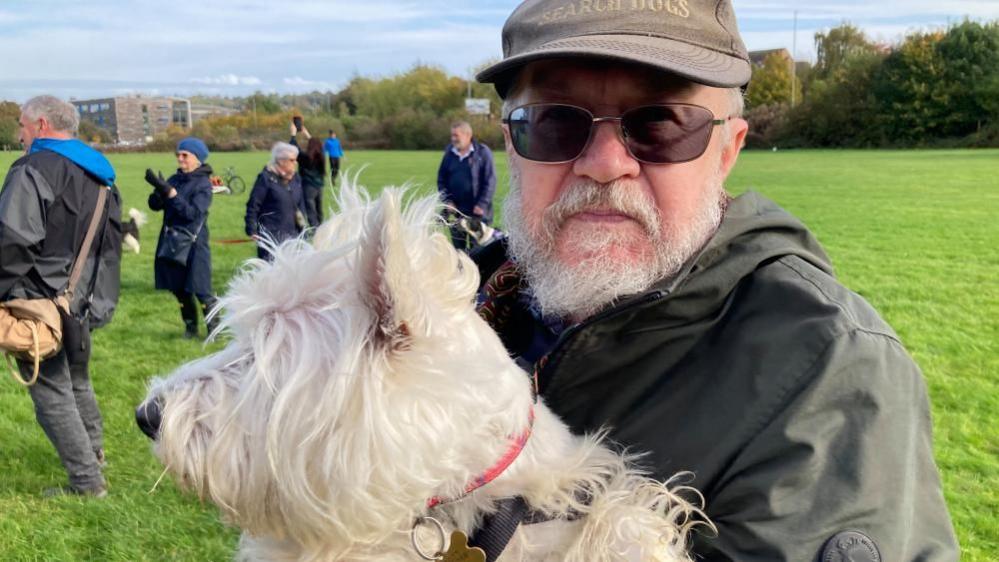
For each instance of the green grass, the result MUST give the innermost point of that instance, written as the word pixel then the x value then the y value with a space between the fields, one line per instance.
pixel 915 232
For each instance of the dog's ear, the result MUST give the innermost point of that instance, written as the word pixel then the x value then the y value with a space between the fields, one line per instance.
pixel 392 291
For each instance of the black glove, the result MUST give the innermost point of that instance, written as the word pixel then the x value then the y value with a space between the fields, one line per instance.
pixel 159 184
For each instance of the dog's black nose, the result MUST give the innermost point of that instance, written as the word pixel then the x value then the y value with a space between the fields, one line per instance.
pixel 148 416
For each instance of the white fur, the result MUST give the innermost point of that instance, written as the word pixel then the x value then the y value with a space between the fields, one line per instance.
pixel 138 216
pixel 130 242
pixel 360 382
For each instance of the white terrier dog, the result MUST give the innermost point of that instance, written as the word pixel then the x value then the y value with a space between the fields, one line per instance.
pixel 364 411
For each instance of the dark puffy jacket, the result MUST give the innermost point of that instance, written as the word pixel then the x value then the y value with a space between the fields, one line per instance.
pixel 272 207
pixel 483 180
pixel 795 407
pixel 188 210
pixel 45 209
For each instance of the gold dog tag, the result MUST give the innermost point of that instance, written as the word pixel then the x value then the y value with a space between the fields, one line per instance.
pixel 459 551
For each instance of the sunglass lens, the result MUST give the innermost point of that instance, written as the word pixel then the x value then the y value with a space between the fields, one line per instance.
pixel 549 132
pixel 664 134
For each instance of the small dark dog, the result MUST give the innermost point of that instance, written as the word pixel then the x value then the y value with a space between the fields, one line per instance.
pixel 130 229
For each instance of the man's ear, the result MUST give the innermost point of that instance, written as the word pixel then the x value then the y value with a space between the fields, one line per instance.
pixel 391 290
pixel 44 127
pixel 507 141
pixel 737 129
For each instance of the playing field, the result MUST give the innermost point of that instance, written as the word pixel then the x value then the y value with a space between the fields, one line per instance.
pixel 915 232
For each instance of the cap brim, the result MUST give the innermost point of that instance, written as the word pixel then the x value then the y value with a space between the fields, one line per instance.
pixel 704 66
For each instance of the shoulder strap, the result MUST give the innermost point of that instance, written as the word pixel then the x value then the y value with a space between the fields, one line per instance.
pixel 88 240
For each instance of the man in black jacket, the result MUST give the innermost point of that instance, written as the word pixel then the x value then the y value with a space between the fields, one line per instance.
pixel 706 330
pixel 48 198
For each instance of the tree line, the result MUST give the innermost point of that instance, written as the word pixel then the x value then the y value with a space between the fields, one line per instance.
pixel 932 89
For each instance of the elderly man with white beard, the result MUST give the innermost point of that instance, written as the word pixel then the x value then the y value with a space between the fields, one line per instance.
pixel 704 329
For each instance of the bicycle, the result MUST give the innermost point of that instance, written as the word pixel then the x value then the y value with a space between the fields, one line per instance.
pixel 229 183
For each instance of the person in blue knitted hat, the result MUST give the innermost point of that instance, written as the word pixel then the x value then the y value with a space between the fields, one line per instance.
pixel 194 146
pixel 184 199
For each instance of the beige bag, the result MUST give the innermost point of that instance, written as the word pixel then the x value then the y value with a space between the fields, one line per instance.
pixel 31 329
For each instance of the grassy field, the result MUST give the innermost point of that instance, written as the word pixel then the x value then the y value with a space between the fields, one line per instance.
pixel 915 232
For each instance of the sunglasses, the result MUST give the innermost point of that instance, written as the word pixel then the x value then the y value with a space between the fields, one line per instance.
pixel 668 133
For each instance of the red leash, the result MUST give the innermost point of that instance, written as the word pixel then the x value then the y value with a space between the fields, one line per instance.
pixel 234 241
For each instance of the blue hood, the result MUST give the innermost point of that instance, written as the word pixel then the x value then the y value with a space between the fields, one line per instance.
pixel 82 155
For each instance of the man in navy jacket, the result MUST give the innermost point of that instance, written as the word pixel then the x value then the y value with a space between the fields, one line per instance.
pixel 466 180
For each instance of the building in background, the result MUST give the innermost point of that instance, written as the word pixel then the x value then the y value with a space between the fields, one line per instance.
pixel 200 111
pixel 133 120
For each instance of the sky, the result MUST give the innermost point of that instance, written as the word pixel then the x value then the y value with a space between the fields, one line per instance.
pixel 103 48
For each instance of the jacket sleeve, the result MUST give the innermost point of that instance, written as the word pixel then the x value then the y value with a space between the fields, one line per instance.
pixel 194 209
pixel 253 204
pixel 849 450
pixel 442 177
pixel 487 179
pixel 24 201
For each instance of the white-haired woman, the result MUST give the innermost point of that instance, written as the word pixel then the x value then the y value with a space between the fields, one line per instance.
pixel 276 208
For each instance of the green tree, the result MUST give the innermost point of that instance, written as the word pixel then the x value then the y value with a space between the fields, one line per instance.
pixel 835 46
pixel 10 112
pixel 263 103
pixel 89 132
pixel 912 107
pixel 840 110
pixel 969 52
pixel 772 83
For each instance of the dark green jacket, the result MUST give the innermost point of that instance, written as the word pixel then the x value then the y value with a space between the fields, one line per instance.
pixel 794 405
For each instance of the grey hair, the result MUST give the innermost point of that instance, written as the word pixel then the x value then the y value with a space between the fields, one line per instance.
pixel 737 101
pixel 463 125
pixel 61 116
pixel 282 151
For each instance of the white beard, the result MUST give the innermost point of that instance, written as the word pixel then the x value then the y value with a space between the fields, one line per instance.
pixel 578 290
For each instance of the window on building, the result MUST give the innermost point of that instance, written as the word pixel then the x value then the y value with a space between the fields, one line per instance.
pixel 94 108
pixel 105 106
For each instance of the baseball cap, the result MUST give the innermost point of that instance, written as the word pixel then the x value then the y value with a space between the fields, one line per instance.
pixel 696 39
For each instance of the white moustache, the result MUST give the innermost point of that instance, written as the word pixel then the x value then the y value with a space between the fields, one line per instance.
pixel 620 196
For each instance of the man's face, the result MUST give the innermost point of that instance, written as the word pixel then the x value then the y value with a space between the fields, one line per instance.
pixel 461 138
pixel 29 130
pixel 606 225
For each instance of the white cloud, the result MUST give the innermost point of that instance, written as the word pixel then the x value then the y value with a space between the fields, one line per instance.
pixel 234 47
pixel 228 80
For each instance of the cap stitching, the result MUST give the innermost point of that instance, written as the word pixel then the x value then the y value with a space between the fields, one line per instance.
pixel 632 48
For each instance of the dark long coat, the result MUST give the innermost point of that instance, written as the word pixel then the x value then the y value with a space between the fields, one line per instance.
pixel 272 207
pixel 188 209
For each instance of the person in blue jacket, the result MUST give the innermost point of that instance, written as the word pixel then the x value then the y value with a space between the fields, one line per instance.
pixel 334 150
pixel 184 199
pixel 466 181
pixel 276 208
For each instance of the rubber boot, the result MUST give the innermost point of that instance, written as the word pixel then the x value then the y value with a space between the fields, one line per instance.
pixel 189 312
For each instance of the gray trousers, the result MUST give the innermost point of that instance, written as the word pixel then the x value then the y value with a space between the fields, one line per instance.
pixel 66 408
